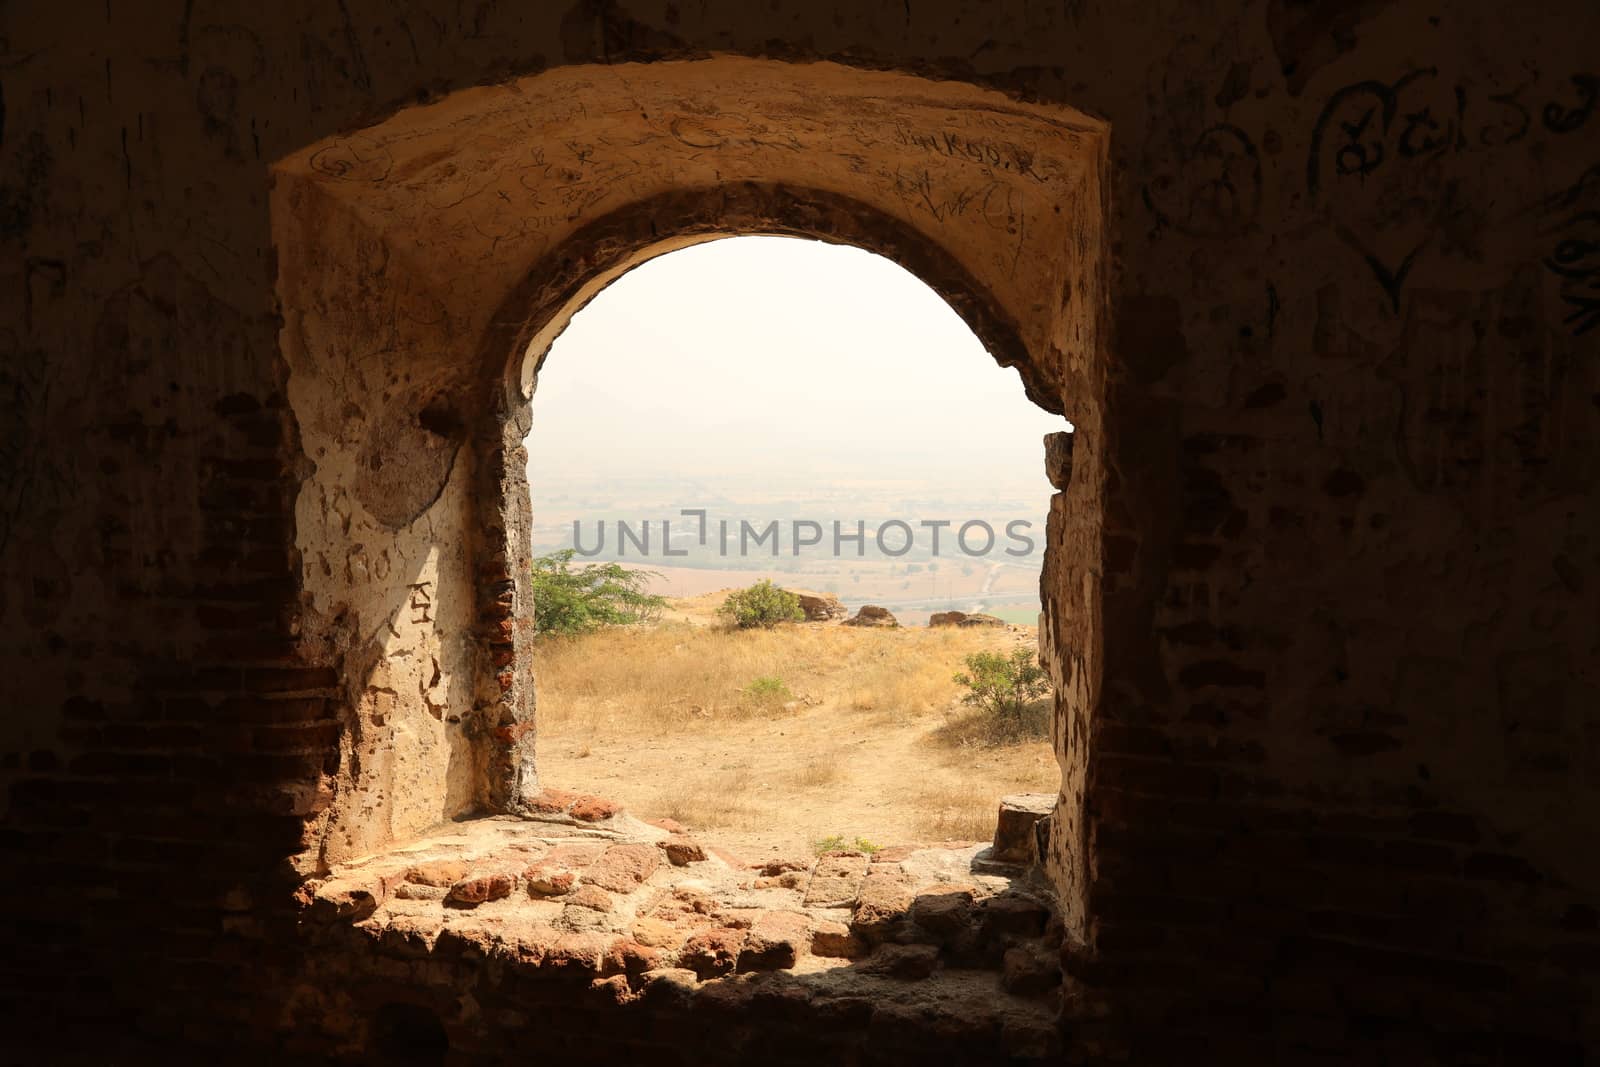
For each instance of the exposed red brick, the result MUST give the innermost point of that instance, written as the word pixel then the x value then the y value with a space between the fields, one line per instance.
pixel 594 809
pixel 552 802
pixel 681 850
pixel 478 887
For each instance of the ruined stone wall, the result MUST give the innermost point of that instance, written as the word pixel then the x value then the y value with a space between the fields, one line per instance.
pixel 427 262
pixel 1344 742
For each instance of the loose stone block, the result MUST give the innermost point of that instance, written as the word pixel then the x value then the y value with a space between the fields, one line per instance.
pixel 594 809
pixel 836 879
pixel 444 873
pixel 623 868
pixel 682 851
pixel 911 962
pixel 344 899
pixel 479 887
pixel 1029 969
pixel 615 989
pixel 713 952
pixel 544 881
pixel 882 903
pixel 776 940
pixel 1013 833
pixel 1014 915
pixel 834 939
pixel 669 988
pixel 944 910
pixel 632 957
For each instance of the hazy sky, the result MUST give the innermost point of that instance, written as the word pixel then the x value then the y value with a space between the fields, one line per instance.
pixel 790 359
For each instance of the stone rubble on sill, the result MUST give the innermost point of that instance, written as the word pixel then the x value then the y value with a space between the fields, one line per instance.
pixel 581 886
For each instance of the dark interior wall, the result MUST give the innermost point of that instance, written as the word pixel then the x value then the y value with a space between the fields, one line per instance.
pixel 1346 752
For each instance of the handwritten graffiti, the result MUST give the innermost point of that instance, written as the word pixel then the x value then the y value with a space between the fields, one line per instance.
pixel 421 602
pixel 1586 187
pixel 1511 121
pixel 1376 166
pixel 1559 118
pixel 992 155
pixel 710 131
pixel 1217 192
pixel 359 566
pixel 1368 125
pixel 1575 261
pixel 1385 167
pixel 916 188
pixel 353 160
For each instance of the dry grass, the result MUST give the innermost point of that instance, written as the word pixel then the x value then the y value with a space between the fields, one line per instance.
pixel 716 801
pixel 960 793
pixel 818 771
pixel 776 739
pixel 963 814
pixel 678 676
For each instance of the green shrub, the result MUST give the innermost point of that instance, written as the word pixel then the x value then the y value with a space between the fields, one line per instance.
pixel 836 843
pixel 1003 685
pixel 570 599
pixel 768 689
pixel 762 604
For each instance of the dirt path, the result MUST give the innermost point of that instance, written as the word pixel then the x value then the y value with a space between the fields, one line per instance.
pixel 780 785
pixel 864 735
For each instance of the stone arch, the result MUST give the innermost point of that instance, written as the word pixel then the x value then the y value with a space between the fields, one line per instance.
pixel 423 259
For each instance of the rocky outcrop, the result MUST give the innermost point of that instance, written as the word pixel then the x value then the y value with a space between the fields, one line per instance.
pixel 961 618
pixel 820 607
pixel 872 615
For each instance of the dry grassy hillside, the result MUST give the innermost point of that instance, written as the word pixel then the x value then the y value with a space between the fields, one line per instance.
pixel 777 739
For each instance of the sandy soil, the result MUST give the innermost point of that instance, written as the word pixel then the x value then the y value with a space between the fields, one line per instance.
pixel 745 786
pixel 820 767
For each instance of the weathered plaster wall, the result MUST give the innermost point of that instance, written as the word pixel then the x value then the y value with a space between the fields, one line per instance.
pixel 381 526
pixel 1344 748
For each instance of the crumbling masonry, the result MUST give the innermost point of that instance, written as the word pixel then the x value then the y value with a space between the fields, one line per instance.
pixel 1317 283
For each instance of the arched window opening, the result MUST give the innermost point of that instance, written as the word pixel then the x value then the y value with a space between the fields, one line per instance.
pixel 428 266
pixel 811 416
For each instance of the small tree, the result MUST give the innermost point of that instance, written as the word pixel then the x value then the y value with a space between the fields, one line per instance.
pixel 762 604
pixel 570 599
pixel 1003 685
